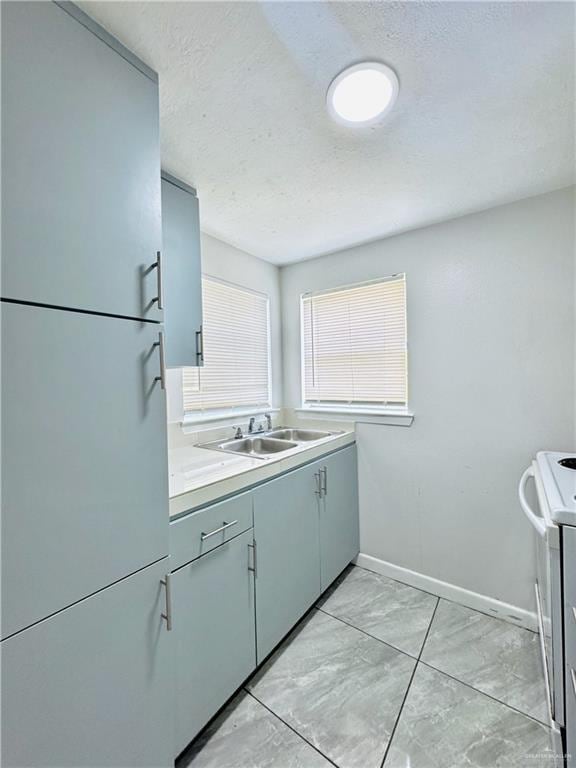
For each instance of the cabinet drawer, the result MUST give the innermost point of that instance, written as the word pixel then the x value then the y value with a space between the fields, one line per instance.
pixel 199 532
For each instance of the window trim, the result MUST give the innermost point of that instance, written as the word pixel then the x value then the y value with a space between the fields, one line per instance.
pixel 219 414
pixel 372 411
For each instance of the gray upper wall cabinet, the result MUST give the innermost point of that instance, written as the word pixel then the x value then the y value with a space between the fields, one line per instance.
pixel 182 272
pixel 84 457
pixel 92 686
pixel 80 167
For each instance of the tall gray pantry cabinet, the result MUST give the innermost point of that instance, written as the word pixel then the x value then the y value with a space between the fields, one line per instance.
pixel 86 656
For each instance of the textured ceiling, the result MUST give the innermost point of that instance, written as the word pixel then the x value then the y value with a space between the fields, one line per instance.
pixel 485 113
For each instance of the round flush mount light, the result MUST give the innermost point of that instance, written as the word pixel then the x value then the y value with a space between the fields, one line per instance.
pixel 362 94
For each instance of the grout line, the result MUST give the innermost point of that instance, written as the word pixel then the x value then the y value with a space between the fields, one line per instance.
pixel 483 693
pixel 291 728
pixel 399 715
pixel 373 637
pixel 449 600
pixel 397 581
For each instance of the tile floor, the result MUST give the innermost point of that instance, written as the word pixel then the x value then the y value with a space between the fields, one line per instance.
pixel 382 674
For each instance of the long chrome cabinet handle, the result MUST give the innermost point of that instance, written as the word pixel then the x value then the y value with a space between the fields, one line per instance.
pixel 223 527
pixel 200 347
pixel 160 284
pixel 254 567
pixel 160 345
pixel 324 472
pixel 573 676
pixel 167 616
pixel 318 478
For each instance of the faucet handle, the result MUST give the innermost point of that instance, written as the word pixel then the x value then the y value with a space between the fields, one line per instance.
pixel 268 421
pixel 238 435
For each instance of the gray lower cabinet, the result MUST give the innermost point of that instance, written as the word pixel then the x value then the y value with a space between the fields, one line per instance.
pixel 80 166
pixel 569 588
pixel 213 628
pixel 286 530
pixel 339 522
pixel 92 685
pixel 84 459
pixel 182 272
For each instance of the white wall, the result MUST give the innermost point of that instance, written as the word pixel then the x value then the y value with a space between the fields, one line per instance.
pixel 228 263
pixel 491 374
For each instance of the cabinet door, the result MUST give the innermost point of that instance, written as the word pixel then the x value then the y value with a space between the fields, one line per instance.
pixel 182 273
pixel 339 525
pixel 288 567
pixel 80 167
pixel 92 685
pixel 84 458
pixel 213 606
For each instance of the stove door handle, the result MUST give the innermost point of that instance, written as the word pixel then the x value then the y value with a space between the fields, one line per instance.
pixel 538 523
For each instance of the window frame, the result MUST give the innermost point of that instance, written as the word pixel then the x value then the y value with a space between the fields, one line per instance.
pixel 402 413
pixel 215 414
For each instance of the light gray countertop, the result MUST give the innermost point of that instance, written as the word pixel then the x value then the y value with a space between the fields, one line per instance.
pixel 200 475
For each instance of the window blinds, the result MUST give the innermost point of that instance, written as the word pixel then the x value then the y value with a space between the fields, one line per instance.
pixel 236 371
pixel 354 344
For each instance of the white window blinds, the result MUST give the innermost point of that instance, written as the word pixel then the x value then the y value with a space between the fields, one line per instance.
pixel 354 344
pixel 236 371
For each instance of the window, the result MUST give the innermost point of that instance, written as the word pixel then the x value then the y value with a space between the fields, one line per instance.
pixel 354 346
pixel 236 371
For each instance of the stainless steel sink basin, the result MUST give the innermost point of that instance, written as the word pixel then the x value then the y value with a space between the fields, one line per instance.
pixel 265 444
pixel 299 435
pixel 259 447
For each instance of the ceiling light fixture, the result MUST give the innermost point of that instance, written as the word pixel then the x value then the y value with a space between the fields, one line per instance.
pixel 362 94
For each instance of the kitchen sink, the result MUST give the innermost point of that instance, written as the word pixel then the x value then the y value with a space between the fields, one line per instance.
pixel 253 446
pixel 265 444
pixel 258 445
pixel 299 435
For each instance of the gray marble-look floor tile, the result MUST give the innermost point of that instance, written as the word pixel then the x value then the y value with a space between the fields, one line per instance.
pixel 337 687
pixel 445 724
pixel 492 655
pixel 246 735
pixel 393 612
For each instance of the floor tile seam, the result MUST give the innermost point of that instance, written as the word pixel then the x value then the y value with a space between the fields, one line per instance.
pixel 397 581
pixel 448 600
pixel 483 693
pixel 388 746
pixel 291 727
pixel 399 715
pixel 367 634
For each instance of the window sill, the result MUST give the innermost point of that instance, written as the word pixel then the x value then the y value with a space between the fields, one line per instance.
pixel 205 417
pixel 392 417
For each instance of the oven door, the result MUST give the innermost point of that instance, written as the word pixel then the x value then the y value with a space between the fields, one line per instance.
pixel 548 594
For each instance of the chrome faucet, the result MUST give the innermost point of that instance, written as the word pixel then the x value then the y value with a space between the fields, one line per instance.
pixel 251 424
pixel 268 422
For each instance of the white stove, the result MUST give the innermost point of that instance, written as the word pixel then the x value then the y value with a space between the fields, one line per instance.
pixel 558 475
pixel 554 522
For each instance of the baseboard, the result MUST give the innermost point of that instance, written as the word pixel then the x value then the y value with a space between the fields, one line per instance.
pixel 474 600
